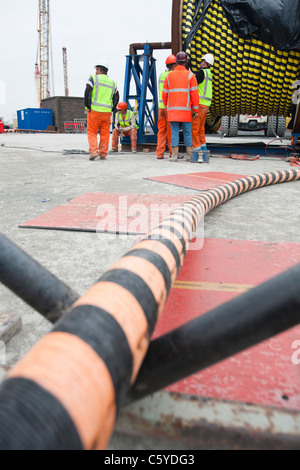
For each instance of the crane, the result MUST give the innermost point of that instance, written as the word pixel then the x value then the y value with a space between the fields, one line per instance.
pixel 65 66
pixel 42 71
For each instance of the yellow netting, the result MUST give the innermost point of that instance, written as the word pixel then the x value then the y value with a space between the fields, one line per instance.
pixel 249 76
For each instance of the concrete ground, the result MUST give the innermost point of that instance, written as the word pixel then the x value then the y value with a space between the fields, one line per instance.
pixel 34 168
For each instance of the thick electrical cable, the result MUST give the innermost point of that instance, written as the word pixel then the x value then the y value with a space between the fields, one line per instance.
pixel 245 321
pixel 30 281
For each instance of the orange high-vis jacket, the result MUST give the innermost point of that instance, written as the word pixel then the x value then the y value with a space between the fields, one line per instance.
pixel 180 94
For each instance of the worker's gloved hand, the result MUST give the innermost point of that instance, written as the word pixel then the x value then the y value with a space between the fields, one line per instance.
pixel 195 115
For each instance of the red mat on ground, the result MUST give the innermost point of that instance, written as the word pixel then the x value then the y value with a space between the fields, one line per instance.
pixel 200 181
pixel 109 212
pixel 264 374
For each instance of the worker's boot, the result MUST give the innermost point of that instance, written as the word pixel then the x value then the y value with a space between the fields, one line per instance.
pixel 174 157
pixel 188 154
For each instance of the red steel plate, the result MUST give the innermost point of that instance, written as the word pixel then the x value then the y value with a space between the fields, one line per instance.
pixel 199 181
pixel 109 212
pixel 264 374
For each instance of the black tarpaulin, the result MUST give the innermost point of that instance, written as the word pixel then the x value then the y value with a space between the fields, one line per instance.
pixel 275 22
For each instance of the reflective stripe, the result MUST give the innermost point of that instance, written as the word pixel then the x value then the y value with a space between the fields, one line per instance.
pixel 179 108
pixel 180 90
pixel 102 105
pixel 204 98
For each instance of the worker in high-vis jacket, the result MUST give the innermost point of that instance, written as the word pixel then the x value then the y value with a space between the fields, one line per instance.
pixel 101 98
pixel 205 87
pixel 125 125
pixel 181 98
pixel 164 128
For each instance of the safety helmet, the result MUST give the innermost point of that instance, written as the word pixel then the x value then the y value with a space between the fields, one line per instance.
pixel 181 58
pixel 209 59
pixel 171 59
pixel 102 63
pixel 122 105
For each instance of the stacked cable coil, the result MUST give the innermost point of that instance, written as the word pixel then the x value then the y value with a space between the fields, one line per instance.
pixel 249 76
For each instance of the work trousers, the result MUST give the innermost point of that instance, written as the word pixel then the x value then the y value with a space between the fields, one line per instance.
pixel 98 123
pixel 164 133
pixel 116 134
pixel 198 127
pixel 187 135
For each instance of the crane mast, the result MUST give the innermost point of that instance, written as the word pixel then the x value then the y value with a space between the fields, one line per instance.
pixel 65 67
pixel 37 83
pixel 44 48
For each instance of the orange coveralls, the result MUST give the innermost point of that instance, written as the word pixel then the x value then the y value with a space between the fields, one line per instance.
pixel 116 134
pixel 164 133
pixel 98 123
pixel 198 127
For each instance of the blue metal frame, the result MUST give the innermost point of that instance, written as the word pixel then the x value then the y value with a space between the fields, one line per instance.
pixel 143 77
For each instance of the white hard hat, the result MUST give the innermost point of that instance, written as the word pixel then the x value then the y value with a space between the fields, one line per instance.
pixel 102 63
pixel 209 59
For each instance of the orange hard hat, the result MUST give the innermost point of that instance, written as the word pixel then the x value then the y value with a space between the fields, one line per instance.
pixel 122 105
pixel 171 60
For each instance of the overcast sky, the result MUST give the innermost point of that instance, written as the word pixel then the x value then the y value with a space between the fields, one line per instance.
pixel 93 30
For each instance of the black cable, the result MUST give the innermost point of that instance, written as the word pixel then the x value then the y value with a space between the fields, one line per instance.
pixel 248 319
